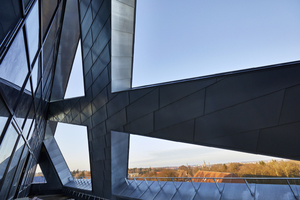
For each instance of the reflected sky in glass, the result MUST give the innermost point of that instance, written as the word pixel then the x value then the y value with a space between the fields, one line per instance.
pixel 6 148
pixel 32 28
pixel 14 66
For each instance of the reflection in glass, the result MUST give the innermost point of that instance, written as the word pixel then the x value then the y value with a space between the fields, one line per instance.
pixel 32 29
pixel 13 67
pixel 27 87
pixel 12 168
pixel 26 174
pixel 34 74
pixel 4 114
pixel 6 148
pixel 23 107
pixel 48 11
pixel 15 181
pixel 10 13
pixel 27 128
pixel 32 138
pixel 26 2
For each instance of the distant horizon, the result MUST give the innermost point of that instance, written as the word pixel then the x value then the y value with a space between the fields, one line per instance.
pixel 279 159
pixel 147 151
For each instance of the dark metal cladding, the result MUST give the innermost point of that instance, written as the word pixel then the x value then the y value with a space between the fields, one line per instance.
pixel 254 111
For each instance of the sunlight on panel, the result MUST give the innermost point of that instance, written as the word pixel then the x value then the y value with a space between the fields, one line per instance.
pixel 151 152
pixel 73 143
pixel 177 40
pixel 75 86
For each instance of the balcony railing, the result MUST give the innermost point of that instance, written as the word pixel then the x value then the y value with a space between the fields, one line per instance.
pixel 215 180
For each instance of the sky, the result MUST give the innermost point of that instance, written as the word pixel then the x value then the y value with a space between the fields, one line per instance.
pixel 153 152
pixel 176 40
pixel 73 143
pixel 183 39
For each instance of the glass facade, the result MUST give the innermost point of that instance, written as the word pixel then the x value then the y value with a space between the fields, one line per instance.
pixel 38 42
pixel 29 38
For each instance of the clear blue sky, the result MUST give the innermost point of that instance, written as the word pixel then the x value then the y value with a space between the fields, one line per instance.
pixel 183 39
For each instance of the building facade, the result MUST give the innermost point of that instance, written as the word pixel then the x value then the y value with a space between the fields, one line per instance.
pixel 252 111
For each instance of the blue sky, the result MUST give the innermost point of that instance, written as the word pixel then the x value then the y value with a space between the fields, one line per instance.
pixel 183 39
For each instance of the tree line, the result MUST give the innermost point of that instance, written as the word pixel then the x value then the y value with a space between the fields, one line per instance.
pixel 273 168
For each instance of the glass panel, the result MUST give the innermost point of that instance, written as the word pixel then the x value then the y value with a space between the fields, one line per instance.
pixel 32 29
pixel 32 138
pixel 23 107
pixel 10 13
pixel 26 2
pixel 4 114
pixel 12 169
pixel 14 65
pixel 48 11
pixel 6 148
pixel 27 127
pixel 17 175
pixel 35 74
pixel 28 167
pixel 28 87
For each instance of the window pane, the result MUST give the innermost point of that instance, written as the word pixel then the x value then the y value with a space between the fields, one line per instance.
pixel 6 148
pixel 28 87
pixel 26 2
pixel 28 124
pixel 4 114
pixel 14 66
pixel 23 107
pixel 10 13
pixel 48 11
pixel 12 169
pixel 15 181
pixel 35 74
pixel 32 28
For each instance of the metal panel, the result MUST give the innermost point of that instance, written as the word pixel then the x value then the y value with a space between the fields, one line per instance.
pixel 143 125
pixel 123 21
pixel 143 106
pixel 209 191
pixel 172 92
pixel 119 165
pixel 186 191
pixel 122 17
pixel 182 110
pixel 58 161
pixel 247 86
pixel 153 190
pixel 117 103
pixel 285 138
pixel 168 190
pixel 290 112
pixel 243 117
pixel 246 141
pixel 67 49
